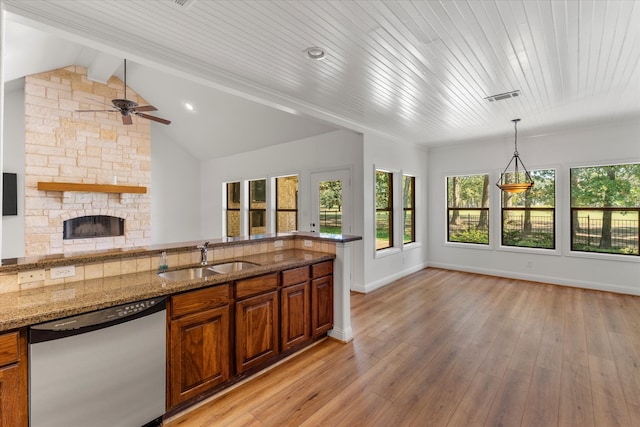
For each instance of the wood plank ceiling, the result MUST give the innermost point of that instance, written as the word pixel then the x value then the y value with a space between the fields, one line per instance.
pixel 417 71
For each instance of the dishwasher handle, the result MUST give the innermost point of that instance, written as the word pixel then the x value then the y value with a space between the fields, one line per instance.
pixel 95 320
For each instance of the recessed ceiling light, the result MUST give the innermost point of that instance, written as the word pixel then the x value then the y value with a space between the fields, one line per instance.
pixel 316 53
pixel 189 106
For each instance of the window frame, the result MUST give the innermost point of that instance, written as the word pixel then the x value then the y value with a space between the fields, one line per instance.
pixel 488 244
pixel 552 210
pixel 254 212
pixel 633 257
pixel 278 209
pixel 389 208
pixel 229 209
pixel 411 209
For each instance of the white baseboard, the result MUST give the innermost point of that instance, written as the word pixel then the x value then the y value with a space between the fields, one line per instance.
pixel 598 286
pixel 342 335
pixel 369 287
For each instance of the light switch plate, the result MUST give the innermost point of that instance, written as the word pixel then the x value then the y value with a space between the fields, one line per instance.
pixel 30 276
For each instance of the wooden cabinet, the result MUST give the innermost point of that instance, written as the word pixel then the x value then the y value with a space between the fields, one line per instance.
pixel 256 321
pixel 321 298
pixel 295 308
pixel 199 343
pixel 13 380
pixel 221 333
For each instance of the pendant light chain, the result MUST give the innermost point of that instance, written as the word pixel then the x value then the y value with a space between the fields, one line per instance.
pixel 515 127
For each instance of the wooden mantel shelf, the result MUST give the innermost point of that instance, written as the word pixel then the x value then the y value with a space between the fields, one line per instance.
pixel 90 188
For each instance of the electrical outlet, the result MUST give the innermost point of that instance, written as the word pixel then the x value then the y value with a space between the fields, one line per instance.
pixel 529 264
pixel 308 243
pixel 64 271
pixel 30 276
pixel 278 243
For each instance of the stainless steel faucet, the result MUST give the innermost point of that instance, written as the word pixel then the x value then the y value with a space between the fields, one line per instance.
pixel 203 253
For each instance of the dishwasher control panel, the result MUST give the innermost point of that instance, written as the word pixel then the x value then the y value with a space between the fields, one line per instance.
pixel 100 318
pixel 134 307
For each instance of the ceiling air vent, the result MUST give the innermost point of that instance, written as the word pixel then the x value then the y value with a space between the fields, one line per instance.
pixel 183 4
pixel 501 96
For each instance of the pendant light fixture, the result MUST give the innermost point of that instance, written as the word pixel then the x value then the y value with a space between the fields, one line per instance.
pixel 517 186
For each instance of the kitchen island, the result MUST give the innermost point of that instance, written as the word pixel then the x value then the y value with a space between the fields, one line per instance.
pixel 290 287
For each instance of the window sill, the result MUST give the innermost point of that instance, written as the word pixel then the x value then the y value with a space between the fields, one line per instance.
pixel 386 252
pixel 480 246
pixel 522 249
pixel 604 257
pixel 412 245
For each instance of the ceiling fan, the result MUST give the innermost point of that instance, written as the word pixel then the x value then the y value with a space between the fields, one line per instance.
pixel 128 108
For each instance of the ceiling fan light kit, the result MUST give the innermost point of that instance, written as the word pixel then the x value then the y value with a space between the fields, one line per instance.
pixel 127 108
pixel 517 186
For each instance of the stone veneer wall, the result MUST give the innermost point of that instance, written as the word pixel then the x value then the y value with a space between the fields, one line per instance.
pixel 62 145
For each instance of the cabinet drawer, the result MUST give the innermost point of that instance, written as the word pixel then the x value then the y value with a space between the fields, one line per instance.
pixel 256 285
pixel 9 348
pixel 196 301
pixel 322 269
pixel 295 276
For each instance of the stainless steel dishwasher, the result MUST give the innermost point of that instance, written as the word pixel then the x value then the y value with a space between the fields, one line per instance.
pixel 105 368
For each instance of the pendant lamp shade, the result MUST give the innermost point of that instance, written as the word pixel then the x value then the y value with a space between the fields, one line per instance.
pixel 518 186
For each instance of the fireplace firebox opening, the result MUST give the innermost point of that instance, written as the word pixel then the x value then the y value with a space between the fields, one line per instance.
pixel 93 226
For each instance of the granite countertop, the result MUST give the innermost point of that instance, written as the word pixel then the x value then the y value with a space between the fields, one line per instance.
pixel 55 260
pixel 28 307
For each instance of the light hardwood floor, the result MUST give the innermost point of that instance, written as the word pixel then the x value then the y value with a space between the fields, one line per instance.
pixel 445 348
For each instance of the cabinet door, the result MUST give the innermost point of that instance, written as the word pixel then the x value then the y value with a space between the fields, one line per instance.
pixel 256 330
pixel 199 353
pixel 295 314
pixel 14 411
pixel 321 305
pixel 9 396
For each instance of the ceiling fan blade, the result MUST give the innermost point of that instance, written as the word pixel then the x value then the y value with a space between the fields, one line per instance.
pixel 95 101
pixel 94 111
pixel 145 108
pixel 127 120
pixel 155 119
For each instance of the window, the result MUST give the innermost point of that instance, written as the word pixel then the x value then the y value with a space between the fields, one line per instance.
pixel 286 204
pixel 468 209
pixel 233 209
pixel 257 207
pixel 409 208
pixel 528 219
pixel 605 209
pixel 384 209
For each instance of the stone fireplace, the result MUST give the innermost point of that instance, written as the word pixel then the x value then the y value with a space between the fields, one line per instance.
pixel 62 145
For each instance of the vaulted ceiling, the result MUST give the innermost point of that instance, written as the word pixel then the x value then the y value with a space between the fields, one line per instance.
pixel 415 71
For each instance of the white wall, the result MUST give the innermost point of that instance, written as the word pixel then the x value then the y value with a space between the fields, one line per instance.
pixel 615 142
pixel 13 161
pixel 385 266
pixel 175 191
pixel 331 151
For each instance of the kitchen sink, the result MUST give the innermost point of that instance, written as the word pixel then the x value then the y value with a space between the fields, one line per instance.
pixel 230 267
pixel 188 273
pixel 206 270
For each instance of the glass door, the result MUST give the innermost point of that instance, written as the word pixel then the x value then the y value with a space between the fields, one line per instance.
pixel 331 202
